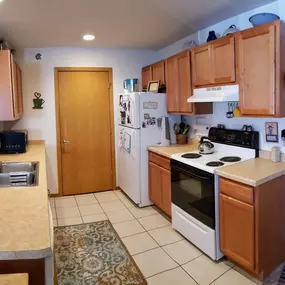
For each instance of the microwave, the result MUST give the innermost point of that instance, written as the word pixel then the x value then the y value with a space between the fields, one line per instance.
pixel 12 142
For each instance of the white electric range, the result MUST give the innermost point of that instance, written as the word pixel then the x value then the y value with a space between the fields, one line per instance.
pixel 195 189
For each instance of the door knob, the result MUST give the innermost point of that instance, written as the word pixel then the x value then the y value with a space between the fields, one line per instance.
pixel 66 142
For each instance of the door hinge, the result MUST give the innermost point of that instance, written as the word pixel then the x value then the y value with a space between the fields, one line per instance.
pixel 109 85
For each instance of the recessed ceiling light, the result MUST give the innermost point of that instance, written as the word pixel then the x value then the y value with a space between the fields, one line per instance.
pixel 87 37
pixel 1 0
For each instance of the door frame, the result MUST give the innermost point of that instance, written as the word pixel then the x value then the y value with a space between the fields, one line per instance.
pixel 57 70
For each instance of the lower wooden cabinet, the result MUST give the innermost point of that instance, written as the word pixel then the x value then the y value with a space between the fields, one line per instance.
pixel 237 231
pixel 252 224
pixel 160 182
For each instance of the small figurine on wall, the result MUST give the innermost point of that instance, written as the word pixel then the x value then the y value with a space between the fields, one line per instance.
pixel 38 101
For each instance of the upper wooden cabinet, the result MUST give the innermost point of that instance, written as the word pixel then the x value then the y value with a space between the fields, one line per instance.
pixel 11 100
pixel 184 82
pixel 146 76
pixel 261 70
pixel 223 61
pixel 202 65
pixel 214 63
pixel 172 85
pixel 179 86
pixel 158 72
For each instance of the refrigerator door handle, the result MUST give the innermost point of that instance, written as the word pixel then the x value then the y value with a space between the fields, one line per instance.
pixel 133 140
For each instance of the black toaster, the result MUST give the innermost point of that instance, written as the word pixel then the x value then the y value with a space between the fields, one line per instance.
pixel 13 142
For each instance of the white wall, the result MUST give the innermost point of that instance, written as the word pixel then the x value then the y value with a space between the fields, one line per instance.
pixel 220 109
pixel 38 76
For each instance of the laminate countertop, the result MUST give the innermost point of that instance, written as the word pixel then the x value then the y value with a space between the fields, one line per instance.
pixel 14 279
pixel 24 212
pixel 167 151
pixel 253 172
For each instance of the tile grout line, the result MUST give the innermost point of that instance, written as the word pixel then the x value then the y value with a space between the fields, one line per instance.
pixel 161 272
pixel 189 274
pixel 220 276
pixel 79 210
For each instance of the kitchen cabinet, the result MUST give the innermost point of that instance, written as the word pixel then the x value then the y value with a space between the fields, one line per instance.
pixel 237 231
pixel 172 85
pixel 179 86
pixel 11 99
pixel 160 182
pixel 213 63
pixel 261 70
pixel 252 224
pixel 202 65
pixel 158 72
pixel 223 61
pixel 146 76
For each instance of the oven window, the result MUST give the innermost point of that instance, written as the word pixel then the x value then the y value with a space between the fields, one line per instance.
pixel 194 193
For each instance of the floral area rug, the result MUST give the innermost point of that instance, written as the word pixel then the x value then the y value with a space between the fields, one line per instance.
pixel 93 254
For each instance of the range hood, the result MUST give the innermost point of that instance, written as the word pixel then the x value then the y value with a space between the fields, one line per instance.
pixel 215 94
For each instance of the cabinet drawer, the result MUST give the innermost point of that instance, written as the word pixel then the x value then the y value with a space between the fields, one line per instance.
pixel 159 160
pixel 236 190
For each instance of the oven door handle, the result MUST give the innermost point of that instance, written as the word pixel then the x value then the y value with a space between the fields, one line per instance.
pixel 192 174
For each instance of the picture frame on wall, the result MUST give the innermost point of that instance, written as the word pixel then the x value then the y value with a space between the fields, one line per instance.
pixel 153 86
pixel 271 132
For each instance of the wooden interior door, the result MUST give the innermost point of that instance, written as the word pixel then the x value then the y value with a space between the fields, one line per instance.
pixel 146 76
pixel 257 71
pixel 154 188
pixel 202 65
pixel 237 231
pixel 184 82
pixel 165 177
pixel 86 114
pixel 172 96
pixel 158 72
pixel 223 60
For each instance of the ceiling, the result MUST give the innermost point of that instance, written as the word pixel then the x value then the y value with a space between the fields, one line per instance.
pixel 145 24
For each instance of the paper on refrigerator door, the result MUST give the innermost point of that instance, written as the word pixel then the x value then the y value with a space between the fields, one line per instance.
pixel 127 142
pixel 121 138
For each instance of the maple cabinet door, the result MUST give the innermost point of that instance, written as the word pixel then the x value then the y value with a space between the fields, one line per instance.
pixel 19 91
pixel 154 187
pixel 202 65
pixel 223 60
pixel 158 72
pixel 237 231
pixel 184 82
pixel 165 178
pixel 257 71
pixel 146 76
pixel 172 93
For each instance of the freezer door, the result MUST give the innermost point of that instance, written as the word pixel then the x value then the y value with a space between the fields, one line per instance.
pixel 152 107
pixel 129 110
pixel 129 163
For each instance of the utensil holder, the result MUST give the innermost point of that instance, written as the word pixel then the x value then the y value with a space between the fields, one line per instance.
pixel 181 139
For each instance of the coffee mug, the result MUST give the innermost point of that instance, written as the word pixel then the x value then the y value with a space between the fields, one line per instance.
pixel 38 103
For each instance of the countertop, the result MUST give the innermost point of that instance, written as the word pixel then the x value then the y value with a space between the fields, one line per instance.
pixel 24 212
pixel 14 279
pixel 167 151
pixel 253 172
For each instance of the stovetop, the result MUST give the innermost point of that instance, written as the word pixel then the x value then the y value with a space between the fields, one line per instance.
pixel 210 162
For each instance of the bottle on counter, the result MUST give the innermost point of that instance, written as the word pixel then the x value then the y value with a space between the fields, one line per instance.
pixel 276 154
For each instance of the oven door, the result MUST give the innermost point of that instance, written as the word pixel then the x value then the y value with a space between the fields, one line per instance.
pixel 193 191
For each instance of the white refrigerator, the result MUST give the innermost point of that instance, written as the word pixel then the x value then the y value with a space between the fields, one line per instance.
pixel 140 116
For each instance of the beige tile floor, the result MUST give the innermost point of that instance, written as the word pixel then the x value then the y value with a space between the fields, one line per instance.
pixel 162 254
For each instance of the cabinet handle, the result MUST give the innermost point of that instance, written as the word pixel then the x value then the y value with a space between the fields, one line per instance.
pixel 66 142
